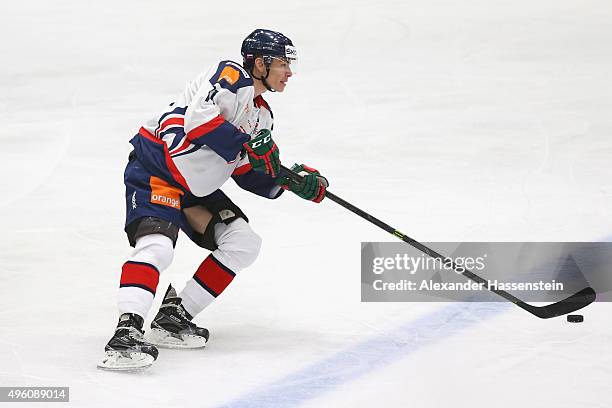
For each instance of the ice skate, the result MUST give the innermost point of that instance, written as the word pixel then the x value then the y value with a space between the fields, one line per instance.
pixel 172 327
pixel 126 350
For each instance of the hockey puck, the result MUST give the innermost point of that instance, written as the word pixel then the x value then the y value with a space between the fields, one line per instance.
pixel 575 318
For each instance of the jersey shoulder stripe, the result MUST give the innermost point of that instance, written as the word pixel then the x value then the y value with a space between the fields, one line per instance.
pixel 231 76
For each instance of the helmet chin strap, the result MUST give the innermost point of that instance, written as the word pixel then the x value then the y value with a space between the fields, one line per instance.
pixel 263 79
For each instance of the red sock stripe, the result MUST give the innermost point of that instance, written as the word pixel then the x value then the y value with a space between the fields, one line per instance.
pixel 214 276
pixel 139 274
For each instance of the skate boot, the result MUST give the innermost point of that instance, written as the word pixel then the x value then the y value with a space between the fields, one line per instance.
pixel 172 327
pixel 126 350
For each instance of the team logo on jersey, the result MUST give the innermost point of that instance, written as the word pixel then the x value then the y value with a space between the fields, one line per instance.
pixel 230 74
pixel 164 194
pixel 238 67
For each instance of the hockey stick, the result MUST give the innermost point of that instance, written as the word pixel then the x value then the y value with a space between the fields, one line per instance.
pixel 575 302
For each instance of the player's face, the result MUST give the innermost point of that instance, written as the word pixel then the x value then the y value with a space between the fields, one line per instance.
pixel 280 72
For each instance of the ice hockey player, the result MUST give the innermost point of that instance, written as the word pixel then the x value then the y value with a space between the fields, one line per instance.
pixel 218 127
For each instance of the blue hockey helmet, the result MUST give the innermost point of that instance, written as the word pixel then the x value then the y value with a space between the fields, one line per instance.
pixel 267 44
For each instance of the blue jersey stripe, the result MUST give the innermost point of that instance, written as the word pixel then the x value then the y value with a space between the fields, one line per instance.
pixel 225 140
pixel 175 111
pixel 179 133
pixel 192 149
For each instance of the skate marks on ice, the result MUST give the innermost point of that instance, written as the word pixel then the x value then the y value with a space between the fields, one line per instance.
pixel 369 355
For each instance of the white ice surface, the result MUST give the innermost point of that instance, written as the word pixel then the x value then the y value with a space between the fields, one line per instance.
pixel 453 121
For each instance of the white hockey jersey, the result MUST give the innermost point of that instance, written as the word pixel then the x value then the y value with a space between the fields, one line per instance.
pixel 196 142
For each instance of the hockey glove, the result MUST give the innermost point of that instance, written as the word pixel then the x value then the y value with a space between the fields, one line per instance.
pixel 263 153
pixel 311 187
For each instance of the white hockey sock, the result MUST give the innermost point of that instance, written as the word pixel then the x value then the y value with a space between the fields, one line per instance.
pixel 238 247
pixel 140 274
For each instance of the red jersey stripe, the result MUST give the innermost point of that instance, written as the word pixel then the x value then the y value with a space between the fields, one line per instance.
pixel 168 122
pixel 148 135
pixel 174 171
pixel 205 128
pixel 186 143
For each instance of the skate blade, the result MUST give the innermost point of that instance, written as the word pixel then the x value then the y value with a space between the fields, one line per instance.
pixel 118 361
pixel 163 338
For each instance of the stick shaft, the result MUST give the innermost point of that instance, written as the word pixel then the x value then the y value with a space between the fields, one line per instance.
pixel 568 305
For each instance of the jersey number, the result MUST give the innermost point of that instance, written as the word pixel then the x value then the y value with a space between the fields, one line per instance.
pixel 211 94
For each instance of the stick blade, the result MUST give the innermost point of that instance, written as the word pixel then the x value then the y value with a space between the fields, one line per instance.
pixel 575 302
